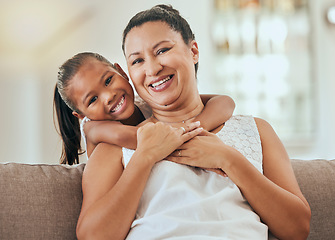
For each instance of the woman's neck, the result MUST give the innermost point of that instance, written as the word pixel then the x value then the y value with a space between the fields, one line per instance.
pixel 186 112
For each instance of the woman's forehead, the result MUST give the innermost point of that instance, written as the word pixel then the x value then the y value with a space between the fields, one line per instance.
pixel 149 33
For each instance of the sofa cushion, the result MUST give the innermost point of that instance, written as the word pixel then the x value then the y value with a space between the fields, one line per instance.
pixel 316 179
pixel 39 201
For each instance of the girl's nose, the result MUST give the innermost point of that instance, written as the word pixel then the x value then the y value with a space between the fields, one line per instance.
pixel 152 66
pixel 108 98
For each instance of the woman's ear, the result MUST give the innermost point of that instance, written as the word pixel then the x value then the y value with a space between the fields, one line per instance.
pixel 80 116
pixel 120 70
pixel 195 51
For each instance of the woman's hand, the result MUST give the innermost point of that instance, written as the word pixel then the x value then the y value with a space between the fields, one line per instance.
pixel 158 140
pixel 202 151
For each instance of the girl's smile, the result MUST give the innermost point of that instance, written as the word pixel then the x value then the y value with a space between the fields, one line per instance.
pixel 119 105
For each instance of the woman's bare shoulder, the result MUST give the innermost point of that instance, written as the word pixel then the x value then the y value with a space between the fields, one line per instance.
pixel 105 160
pixel 105 153
pixel 261 123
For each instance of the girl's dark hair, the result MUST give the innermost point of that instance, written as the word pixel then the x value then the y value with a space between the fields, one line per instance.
pixel 163 13
pixel 69 130
pixel 68 124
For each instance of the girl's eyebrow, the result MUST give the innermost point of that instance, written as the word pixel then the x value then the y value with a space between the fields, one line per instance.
pixel 155 46
pixel 101 80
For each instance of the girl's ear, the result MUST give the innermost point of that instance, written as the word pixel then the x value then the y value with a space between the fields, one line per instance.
pixel 80 116
pixel 195 51
pixel 120 70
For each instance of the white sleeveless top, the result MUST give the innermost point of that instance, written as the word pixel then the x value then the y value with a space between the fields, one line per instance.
pixel 182 202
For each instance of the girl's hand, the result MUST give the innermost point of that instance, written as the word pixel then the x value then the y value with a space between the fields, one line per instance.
pixel 158 140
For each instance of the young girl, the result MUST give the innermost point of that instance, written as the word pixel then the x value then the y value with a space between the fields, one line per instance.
pixel 94 90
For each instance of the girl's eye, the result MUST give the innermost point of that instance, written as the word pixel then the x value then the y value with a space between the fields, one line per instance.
pixel 93 99
pixel 138 60
pixel 108 80
pixel 162 50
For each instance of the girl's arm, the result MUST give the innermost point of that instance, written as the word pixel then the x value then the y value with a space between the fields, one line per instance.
pixel 111 194
pixel 218 109
pixel 112 132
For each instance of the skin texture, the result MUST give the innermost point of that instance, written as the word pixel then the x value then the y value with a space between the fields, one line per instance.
pixel 111 194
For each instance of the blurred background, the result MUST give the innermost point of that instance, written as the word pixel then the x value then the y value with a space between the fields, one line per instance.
pixel 275 58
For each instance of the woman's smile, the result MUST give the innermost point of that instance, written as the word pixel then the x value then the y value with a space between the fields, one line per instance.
pixel 161 84
pixel 160 64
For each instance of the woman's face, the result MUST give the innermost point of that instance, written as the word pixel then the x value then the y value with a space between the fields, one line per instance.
pixel 160 64
pixel 100 92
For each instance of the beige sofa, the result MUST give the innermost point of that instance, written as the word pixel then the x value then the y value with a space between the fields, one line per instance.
pixel 43 201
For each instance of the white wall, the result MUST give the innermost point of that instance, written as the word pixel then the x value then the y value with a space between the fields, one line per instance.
pixel 28 72
pixel 324 51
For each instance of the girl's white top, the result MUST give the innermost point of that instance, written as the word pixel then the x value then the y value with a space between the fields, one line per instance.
pixel 182 202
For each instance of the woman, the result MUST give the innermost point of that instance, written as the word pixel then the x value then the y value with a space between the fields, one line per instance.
pixel 176 198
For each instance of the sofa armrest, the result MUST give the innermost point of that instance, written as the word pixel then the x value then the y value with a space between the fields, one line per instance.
pixel 316 179
pixel 39 201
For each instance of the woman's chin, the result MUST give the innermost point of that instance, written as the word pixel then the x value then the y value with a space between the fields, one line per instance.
pixel 166 104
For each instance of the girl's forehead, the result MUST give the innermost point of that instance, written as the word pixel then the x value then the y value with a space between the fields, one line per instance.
pixel 94 64
pixel 90 72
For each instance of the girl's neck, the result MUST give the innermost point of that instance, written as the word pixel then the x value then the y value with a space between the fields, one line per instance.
pixel 136 118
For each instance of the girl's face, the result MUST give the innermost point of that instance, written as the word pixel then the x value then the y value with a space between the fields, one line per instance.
pixel 101 92
pixel 160 64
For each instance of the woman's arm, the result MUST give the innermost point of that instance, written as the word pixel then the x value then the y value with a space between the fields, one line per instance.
pixel 275 196
pixel 218 109
pixel 110 193
pixel 283 207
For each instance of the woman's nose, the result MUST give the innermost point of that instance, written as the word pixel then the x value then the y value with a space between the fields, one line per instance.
pixel 153 66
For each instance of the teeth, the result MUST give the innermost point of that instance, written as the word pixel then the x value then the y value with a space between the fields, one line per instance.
pixel 118 106
pixel 161 82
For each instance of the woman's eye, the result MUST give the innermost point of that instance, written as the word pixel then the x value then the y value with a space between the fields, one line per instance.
pixel 162 50
pixel 138 60
pixel 108 80
pixel 92 100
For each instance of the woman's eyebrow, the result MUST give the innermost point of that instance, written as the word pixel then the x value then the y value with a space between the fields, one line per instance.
pixel 134 53
pixel 159 43
pixel 155 46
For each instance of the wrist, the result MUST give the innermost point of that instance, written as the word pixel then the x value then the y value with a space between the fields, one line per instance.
pixel 145 157
pixel 230 159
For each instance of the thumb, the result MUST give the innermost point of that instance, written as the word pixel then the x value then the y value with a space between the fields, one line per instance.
pixel 206 133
